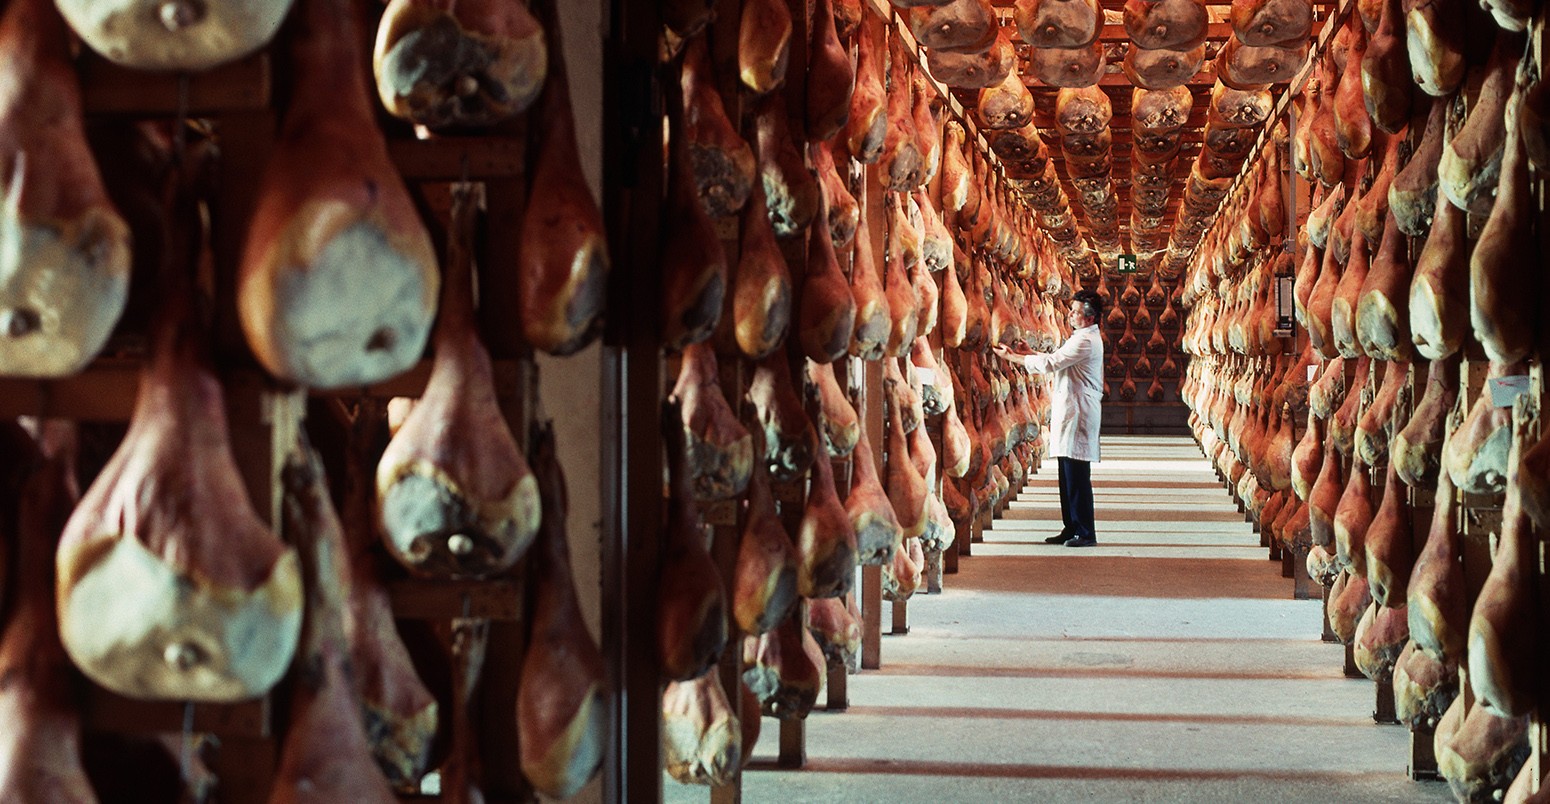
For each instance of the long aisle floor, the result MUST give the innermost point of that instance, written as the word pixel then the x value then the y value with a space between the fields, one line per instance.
pixel 1169 663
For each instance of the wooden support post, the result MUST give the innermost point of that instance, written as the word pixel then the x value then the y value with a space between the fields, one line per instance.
pixel 967 535
pixel 793 743
pixel 1423 756
pixel 1303 585
pixel 901 618
pixel 632 130
pixel 1383 708
pixel 1350 664
pixel 837 686
pixel 950 555
pixel 933 572
pixel 1328 634
pixel 871 618
pixel 1288 561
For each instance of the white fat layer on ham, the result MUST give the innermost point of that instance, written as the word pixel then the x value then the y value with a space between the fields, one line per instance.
pixel 356 315
pixel 138 626
pixel 62 290
pixel 174 34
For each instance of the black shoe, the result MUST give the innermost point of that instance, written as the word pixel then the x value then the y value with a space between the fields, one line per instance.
pixel 1059 538
pixel 1082 541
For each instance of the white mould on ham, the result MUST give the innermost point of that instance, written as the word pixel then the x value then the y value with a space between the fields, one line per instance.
pixel 175 34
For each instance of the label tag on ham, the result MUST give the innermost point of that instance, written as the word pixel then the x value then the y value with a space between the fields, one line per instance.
pixel 1313 371
pixel 925 376
pixel 1506 390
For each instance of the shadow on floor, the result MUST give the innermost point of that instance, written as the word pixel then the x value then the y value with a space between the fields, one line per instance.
pixel 987 713
pixel 918 767
pixel 1125 576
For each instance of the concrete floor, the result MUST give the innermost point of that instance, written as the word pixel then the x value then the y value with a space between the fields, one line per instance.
pixel 1167 664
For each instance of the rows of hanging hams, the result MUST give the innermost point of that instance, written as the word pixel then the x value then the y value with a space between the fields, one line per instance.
pixel 1142 339
pixel 1421 133
pixel 959 260
pixel 166 585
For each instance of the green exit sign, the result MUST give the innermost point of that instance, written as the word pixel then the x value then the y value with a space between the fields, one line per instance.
pixel 1127 263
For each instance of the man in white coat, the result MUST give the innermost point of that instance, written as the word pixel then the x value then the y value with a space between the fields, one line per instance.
pixel 1075 415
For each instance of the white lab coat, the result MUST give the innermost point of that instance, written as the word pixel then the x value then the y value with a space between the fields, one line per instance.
pixel 1076 410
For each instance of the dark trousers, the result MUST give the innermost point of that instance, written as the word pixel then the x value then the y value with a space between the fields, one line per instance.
pixel 1076 497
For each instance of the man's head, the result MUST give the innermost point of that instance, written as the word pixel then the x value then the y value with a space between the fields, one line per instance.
pixel 1085 309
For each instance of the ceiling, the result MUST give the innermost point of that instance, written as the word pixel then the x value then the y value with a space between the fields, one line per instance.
pixel 1118 87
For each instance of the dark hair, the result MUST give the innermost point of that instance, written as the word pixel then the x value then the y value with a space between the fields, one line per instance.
pixel 1092 303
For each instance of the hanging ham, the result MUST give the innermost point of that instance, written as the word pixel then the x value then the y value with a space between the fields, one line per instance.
pixel 866 127
pixel 721 163
pixel 326 755
pixel 1475 456
pixel 1417 448
pixel 827 311
pixel 1506 628
pixel 183 36
pixel 1498 285
pixel 210 598
pixel 66 280
pixel 764 45
pixel 1471 163
pixel 1390 555
pixel 563 260
pixel 761 291
pixel 1048 24
pixel 332 217
pixel 1385 71
pixel 764 584
pixel 701 738
pixel 41 744
pixel 560 707
pixel 1271 22
pixel 1434 38
pixel 830 76
pixel 1439 291
pixel 788 439
pixel 790 189
pixel 455 497
pixel 837 421
pixel 720 448
pixel 826 542
pixel 450 65
pixel 785 670
pixel 878 533
pixel 1413 193
pixel 693 263
pixel 691 606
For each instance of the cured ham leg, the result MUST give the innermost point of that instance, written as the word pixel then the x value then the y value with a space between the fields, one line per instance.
pixel 867 125
pixel 722 163
pixel 1471 163
pixel 40 748
pixel 1439 291
pixel 207 600
pixel 459 65
pixel 1390 556
pixel 836 625
pixel 1417 448
pixel 878 533
pixel 561 713
pixel 332 218
pixel 720 448
pixel 827 311
pixel 764 585
pixel 1475 456
pixel 1505 631
pixel 693 263
pixel 1436 597
pixel 181 36
pixel 762 291
pixel 326 756
pixel 830 77
pixel 1484 755
pixel 764 45
pixel 563 261
pixel 691 606
pixel 838 423
pixel 64 276
pixel 789 440
pixel 399 713
pixel 1423 688
pixel 455 497
pixel 1503 324
pixel 826 541
pixel 701 738
pixel 785 670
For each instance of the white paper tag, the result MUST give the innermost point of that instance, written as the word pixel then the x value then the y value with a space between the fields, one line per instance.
pixel 925 376
pixel 1313 371
pixel 1506 390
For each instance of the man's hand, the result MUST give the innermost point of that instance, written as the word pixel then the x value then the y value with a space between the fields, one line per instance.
pixel 1005 353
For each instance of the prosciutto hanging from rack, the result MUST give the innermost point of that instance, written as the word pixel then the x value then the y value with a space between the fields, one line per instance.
pixel 455 497
pixel 459 65
pixel 186 37
pixel 333 218
pixel 65 277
